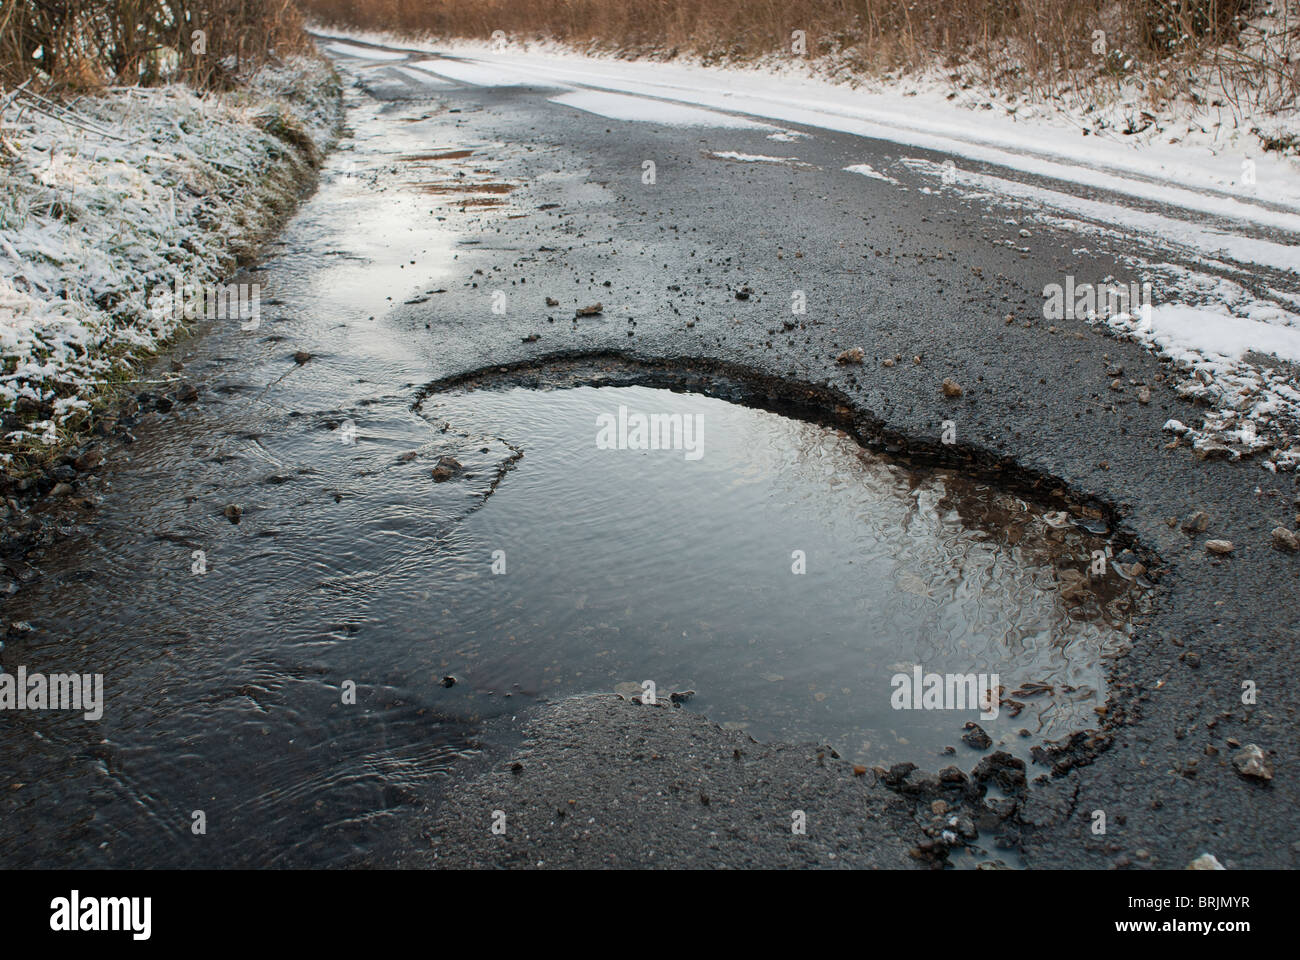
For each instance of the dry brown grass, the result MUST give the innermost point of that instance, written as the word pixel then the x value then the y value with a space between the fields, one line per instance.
pixel 1015 44
pixel 83 44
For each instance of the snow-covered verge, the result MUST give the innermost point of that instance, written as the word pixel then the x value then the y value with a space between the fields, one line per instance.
pixel 134 190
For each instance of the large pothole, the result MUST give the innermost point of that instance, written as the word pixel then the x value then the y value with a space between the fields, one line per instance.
pixel 802 586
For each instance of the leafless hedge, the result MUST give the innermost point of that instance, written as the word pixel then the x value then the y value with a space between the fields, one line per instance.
pixel 89 43
pixel 1029 43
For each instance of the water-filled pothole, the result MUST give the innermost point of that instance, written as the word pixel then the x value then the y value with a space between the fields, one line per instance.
pixel 804 587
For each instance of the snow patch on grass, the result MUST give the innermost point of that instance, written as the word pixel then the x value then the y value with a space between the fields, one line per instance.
pixel 90 224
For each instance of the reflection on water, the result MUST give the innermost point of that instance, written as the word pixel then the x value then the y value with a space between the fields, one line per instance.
pixel 679 566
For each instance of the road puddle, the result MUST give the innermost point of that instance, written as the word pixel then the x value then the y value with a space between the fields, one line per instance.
pixel 803 587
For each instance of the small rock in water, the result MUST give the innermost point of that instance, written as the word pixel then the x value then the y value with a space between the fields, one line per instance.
pixel 590 311
pixel 628 689
pixel 187 393
pixel 976 737
pixel 61 490
pixel 1074 584
pixel 852 355
pixel 1196 522
pixel 951 388
pixel 1144 394
pixel 446 468
pixel 302 356
pixel 89 460
pixel 1284 539
pixel 1251 762
pixel 1206 861
pixel 233 512
pixel 1219 546
pixel 552 302
pixel 448 681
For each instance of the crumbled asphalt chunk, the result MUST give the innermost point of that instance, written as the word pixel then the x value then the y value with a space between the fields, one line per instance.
pixel 976 737
pixel 1285 540
pixel 1253 763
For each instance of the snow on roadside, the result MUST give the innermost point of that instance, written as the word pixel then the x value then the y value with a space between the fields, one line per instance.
pixel 91 224
pixel 349 50
pixel 866 170
pixel 738 157
pixel 1240 358
pixel 615 106
pixel 1188 154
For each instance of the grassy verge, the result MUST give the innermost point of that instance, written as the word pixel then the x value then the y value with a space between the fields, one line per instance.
pixel 101 207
